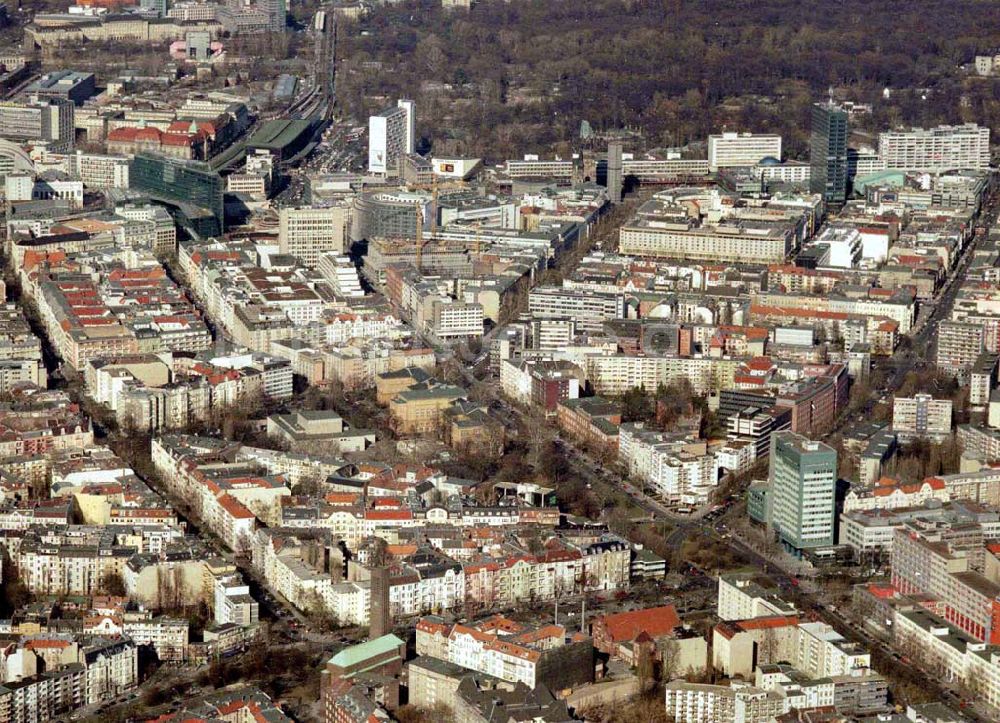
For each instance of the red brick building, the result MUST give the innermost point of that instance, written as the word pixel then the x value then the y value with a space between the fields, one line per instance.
pixel 611 631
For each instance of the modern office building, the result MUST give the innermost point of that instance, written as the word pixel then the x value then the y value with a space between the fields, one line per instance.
pixel 39 119
pixel 390 214
pixel 191 187
pixel 277 11
pixel 588 309
pixel 64 85
pixel 156 7
pixel 532 166
pixel 803 482
pixel 615 179
pixel 714 242
pixel 730 150
pixel 936 149
pixel 391 136
pixel 309 232
pixel 828 152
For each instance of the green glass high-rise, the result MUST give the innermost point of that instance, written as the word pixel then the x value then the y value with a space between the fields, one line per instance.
pixel 828 152
pixel 803 489
pixel 182 184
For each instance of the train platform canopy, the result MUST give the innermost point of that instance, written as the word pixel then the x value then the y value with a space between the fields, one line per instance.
pixel 282 137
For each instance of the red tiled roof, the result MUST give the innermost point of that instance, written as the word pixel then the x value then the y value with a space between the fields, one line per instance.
pixel 882 591
pixel 774 621
pixel 389 515
pixel 656 622
pixel 235 508
pixel 760 364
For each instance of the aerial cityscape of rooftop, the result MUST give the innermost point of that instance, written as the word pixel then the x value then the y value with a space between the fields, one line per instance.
pixel 499 361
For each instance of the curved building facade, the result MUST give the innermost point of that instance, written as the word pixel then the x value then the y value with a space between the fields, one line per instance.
pixel 390 214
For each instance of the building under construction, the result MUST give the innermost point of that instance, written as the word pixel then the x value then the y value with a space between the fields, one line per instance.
pixel 454 257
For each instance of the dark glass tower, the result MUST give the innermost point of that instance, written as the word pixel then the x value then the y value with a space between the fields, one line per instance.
pixel 189 185
pixel 828 152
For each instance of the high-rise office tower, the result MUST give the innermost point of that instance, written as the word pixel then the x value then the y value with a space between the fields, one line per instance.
pixel 615 172
pixel 39 119
pixel 391 135
pixel 802 494
pixel 309 232
pixel 828 152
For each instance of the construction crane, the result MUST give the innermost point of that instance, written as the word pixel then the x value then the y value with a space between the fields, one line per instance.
pixel 434 204
pixel 420 238
pixel 435 189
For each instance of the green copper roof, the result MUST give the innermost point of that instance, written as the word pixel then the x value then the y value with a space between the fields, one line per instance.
pixel 356 654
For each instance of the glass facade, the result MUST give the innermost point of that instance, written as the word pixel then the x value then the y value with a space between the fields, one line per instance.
pixel 828 152
pixel 803 491
pixel 180 183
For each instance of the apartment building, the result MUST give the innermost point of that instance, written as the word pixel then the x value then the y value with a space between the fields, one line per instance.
pixel 741 149
pixel 615 374
pixel 880 304
pixel 822 652
pixel 703 703
pixel 740 598
pixel 679 469
pixel 921 416
pixel 542 384
pixel 54 567
pixel 983 441
pixel 508 650
pixel 591 421
pixel 814 649
pixel 959 345
pixel 167 636
pixel 983 379
pixel 936 149
pixel 233 602
pixel 427 580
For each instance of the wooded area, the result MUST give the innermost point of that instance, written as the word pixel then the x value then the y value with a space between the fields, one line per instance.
pixel 520 76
